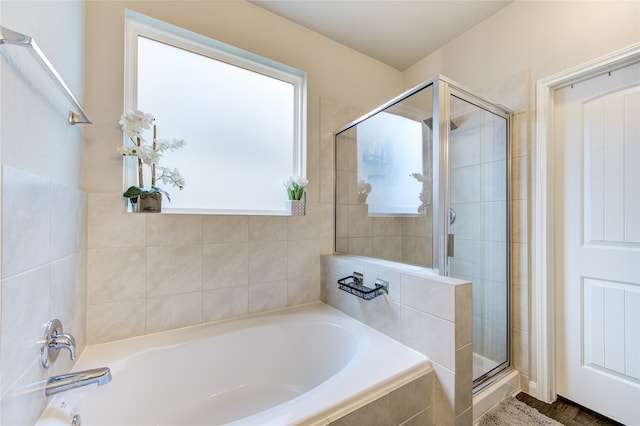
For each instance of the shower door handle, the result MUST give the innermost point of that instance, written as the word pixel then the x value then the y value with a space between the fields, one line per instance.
pixel 450 245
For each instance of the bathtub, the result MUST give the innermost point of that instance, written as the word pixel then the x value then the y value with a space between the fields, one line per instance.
pixel 308 365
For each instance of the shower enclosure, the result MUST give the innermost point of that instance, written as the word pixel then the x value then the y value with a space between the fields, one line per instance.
pixel 424 180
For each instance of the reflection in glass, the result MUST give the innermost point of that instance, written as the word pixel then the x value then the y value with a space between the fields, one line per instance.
pixel 384 183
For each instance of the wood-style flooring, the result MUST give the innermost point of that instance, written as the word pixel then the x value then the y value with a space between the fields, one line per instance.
pixel 567 412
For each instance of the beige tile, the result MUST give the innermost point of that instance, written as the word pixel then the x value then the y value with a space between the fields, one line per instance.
pixel 225 265
pixel 424 224
pixel 464 379
pixel 430 335
pixel 519 349
pixel 25 309
pixel 224 303
pixel 303 258
pixel 327 186
pixel 387 226
pixel 316 224
pixel 443 396
pixel 225 229
pixel 519 221
pixel 68 295
pixel 411 399
pixel 360 246
pixel 111 226
pixel 360 224
pixel 424 418
pixel 424 251
pixel 327 150
pixel 267 296
pixel 519 264
pixel 25 222
pixel 342 220
pixel 303 289
pixel 173 270
pixel 429 296
pixel 267 228
pixel 520 308
pixel 68 219
pixel 267 261
pixel 519 178
pixel 23 402
pixel 114 321
pixel 465 418
pixel 408 249
pixel 382 314
pixel 174 311
pixel 519 145
pixel 377 413
pixel 342 245
pixel 388 248
pixel 115 274
pixel 463 316
pixel 173 229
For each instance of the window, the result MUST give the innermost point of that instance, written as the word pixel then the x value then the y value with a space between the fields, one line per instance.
pixel 242 116
pixel 390 151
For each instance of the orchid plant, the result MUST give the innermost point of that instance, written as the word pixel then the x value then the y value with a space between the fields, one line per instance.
pixel 425 194
pixel 134 124
pixel 296 186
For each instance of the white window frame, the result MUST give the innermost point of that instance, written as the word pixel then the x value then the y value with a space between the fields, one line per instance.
pixel 137 24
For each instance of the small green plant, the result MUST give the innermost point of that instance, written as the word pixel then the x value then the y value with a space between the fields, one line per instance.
pixel 296 186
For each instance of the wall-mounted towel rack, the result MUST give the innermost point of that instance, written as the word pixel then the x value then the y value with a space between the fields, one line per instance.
pixel 8 36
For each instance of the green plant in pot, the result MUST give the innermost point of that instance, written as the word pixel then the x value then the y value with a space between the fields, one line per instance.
pixel 148 153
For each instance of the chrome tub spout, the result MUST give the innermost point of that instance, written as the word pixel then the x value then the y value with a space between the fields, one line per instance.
pixel 64 382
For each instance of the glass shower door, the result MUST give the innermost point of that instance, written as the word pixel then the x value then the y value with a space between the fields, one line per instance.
pixel 478 225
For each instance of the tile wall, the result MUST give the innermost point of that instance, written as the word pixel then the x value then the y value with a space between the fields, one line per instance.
pixel 154 272
pixel 429 313
pixel 43 277
pixel 400 239
pixel 411 404
pixel 479 199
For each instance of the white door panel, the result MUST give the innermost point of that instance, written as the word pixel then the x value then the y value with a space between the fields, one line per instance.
pixel 597 243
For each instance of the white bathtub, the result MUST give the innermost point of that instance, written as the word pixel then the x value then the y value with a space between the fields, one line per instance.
pixel 305 365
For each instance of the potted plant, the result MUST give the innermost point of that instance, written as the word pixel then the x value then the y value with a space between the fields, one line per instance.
pixel 149 153
pixel 296 187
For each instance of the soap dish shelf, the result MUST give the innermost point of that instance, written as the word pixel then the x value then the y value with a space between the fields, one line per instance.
pixel 353 285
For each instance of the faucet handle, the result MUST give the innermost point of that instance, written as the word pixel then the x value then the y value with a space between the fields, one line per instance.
pixel 54 339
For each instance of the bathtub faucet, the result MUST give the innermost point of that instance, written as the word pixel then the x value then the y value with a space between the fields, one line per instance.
pixel 53 340
pixel 64 382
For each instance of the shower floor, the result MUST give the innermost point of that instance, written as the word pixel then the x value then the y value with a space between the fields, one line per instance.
pixel 481 365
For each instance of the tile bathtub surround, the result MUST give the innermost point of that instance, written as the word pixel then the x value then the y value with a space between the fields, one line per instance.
pixel 162 271
pixel 430 313
pixel 43 277
pixel 411 404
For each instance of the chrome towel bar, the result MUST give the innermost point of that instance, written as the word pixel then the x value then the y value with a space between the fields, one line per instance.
pixel 8 36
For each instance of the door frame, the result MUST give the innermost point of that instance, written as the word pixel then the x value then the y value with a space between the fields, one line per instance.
pixel 542 385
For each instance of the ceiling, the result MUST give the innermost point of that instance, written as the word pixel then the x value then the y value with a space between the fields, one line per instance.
pixel 396 32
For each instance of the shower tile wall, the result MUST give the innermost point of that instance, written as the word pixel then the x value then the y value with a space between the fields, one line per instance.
pixel 154 272
pixel 478 179
pixel 400 239
pixel 43 277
